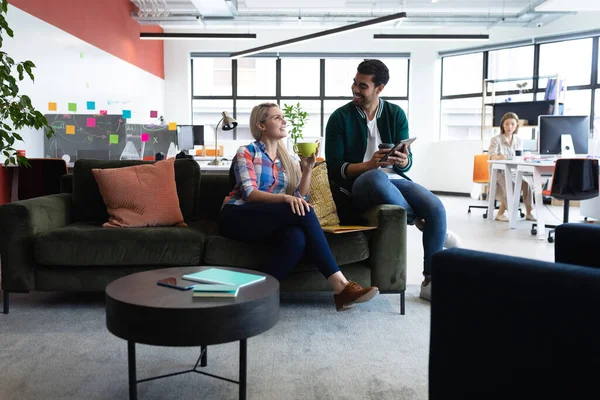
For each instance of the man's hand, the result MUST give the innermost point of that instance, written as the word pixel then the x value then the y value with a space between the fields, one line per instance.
pixel 400 157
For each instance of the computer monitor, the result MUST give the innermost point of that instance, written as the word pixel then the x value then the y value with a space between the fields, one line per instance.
pixel 190 135
pixel 185 137
pixel 198 135
pixel 553 127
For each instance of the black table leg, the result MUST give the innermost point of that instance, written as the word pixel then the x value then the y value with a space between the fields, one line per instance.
pixel 132 375
pixel 203 359
pixel 243 348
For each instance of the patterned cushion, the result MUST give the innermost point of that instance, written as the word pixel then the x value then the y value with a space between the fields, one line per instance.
pixel 143 195
pixel 320 196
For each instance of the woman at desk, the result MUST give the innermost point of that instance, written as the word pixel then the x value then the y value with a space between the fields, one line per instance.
pixel 503 147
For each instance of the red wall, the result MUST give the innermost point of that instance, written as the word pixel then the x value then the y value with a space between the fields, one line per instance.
pixel 106 24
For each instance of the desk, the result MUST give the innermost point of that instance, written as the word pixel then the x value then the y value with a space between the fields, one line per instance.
pixel 500 165
pixel 222 169
pixel 537 170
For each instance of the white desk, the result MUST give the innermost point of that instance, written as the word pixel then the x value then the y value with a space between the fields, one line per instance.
pixel 500 165
pixel 222 169
pixel 538 171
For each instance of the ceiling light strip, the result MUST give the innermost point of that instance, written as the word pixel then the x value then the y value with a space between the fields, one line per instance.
pixel 317 35
pixel 430 36
pixel 167 36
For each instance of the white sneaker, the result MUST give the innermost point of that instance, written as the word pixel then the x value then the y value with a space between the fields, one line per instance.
pixel 426 292
pixel 452 240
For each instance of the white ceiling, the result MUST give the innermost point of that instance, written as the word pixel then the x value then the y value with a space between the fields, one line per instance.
pixel 201 14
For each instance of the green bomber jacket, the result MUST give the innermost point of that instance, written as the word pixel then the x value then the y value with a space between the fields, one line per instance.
pixel 347 134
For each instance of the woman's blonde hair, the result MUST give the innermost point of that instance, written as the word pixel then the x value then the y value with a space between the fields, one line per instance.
pixel 259 114
pixel 509 115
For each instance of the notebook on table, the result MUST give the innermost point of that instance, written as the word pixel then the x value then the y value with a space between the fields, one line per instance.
pixel 214 290
pixel 224 277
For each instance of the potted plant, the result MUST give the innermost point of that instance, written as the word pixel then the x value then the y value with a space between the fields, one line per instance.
pixel 16 110
pixel 297 118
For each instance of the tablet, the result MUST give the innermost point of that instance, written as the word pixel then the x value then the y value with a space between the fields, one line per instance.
pixel 406 142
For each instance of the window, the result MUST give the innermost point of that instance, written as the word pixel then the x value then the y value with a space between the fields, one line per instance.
pixel 596 123
pixel 208 113
pixel 212 77
pixel 256 77
pixel 300 77
pixel 571 59
pixel 461 119
pixel 462 74
pixel 339 73
pixel 511 63
pixel 578 102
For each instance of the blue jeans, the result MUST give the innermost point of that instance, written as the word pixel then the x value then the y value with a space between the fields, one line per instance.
pixel 290 235
pixel 374 187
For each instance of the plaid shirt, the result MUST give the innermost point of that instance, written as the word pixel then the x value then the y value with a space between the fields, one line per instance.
pixel 254 170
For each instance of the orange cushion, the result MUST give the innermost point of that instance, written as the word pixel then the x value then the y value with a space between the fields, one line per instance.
pixel 142 195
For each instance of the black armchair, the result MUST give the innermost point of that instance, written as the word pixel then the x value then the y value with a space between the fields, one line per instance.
pixel 513 328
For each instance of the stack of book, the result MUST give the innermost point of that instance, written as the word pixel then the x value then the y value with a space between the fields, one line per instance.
pixel 216 282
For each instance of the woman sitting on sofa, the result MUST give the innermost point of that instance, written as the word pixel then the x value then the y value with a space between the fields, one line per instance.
pixel 267 205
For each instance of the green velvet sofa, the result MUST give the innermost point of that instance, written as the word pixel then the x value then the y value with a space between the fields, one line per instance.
pixel 57 243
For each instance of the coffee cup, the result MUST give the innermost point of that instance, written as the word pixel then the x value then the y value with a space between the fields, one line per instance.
pixel 385 146
pixel 305 149
pixel 518 155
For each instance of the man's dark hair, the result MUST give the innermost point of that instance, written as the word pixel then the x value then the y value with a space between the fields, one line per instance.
pixel 381 73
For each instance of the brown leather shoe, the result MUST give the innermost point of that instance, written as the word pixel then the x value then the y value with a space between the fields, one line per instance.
pixel 353 293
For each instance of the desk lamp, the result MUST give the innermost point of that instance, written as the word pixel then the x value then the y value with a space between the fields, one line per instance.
pixel 228 124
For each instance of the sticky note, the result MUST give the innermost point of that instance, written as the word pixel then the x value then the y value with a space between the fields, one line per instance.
pixel 126 113
pixel 72 106
pixel 145 137
pixel 81 54
pixel 91 105
pixel 91 123
pixel 70 129
pixel 113 139
pixel 172 126
pixel 51 106
pixel 153 114
pixel 103 112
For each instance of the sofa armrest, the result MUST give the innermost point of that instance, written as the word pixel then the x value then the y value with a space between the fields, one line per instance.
pixel 19 222
pixel 387 246
pixel 576 244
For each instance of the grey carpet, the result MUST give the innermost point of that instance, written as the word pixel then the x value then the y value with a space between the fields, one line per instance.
pixel 56 346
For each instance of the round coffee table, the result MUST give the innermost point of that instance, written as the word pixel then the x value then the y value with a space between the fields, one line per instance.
pixel 140 311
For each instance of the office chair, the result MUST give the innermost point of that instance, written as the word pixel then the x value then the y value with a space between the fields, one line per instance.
pixel 41 178
pixel 481 175
pixel 573 179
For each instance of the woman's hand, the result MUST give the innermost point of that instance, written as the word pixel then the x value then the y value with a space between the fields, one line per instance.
pixel 298 204
pixel 307 163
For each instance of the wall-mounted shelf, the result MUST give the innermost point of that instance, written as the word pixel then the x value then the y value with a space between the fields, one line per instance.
pixel 526 110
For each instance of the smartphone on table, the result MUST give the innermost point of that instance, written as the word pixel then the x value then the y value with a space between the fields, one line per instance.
pixel 174 284
pixel 399 147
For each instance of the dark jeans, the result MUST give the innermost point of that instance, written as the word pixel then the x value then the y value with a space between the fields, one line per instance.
pixel 374 187
pixel 290 235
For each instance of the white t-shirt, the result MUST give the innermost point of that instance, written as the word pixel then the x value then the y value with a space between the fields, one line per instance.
pixel 373 143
